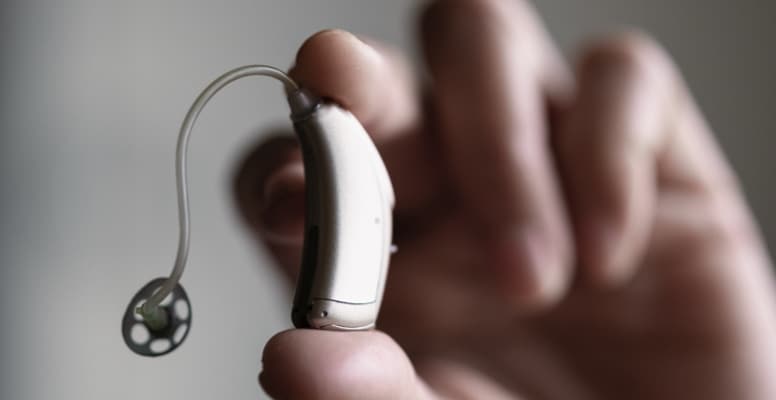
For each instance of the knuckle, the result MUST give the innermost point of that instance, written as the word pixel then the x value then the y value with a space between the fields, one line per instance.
pixel 468 8
pixel 716 231
pixel 470 15
pixel 630 53
pixel 729 229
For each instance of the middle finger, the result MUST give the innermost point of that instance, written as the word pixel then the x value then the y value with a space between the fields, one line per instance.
pixel 490 63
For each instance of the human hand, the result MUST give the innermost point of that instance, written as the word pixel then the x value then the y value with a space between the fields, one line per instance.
pixel 562 235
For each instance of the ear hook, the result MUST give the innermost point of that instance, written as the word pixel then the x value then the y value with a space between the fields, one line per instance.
pixel 301 103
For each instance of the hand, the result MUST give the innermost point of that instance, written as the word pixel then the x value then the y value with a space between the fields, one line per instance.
pixel 562 235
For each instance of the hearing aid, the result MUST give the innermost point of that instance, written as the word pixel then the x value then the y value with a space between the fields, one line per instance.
pixel 347 246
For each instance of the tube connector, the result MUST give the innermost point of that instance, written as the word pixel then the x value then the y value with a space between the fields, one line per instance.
pixel 302 104
pixel 155 317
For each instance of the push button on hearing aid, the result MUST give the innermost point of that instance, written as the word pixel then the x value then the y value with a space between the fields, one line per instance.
pixel 148 340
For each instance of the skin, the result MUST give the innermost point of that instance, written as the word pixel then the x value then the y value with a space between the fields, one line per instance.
pixel 563 232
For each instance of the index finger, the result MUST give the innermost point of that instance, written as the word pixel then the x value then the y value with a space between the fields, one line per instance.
pixel 367 79
pixel 372 83
pixel 375 83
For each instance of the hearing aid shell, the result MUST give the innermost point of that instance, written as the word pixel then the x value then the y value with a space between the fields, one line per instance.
pixel 349 202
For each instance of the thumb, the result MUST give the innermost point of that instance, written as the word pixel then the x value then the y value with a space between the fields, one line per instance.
pixel 322 365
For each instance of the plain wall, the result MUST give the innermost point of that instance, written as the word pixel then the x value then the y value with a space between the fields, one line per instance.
pixel 92 96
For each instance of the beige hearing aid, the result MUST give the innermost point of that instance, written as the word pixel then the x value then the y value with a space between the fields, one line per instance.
pixel 348 226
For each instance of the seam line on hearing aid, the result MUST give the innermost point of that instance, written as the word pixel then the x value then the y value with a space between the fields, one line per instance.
pixel 300 105
pixel 344 302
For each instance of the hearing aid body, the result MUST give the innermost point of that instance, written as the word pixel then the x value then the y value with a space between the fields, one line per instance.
pixel 348 223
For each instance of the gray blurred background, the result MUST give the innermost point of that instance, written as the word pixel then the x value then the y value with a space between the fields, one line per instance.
pixel 91 96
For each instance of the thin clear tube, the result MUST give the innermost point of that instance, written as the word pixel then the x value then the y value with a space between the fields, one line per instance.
pixel 150 309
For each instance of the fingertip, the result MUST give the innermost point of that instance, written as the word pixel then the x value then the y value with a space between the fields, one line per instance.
pixel 317 364
pixel 336 64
